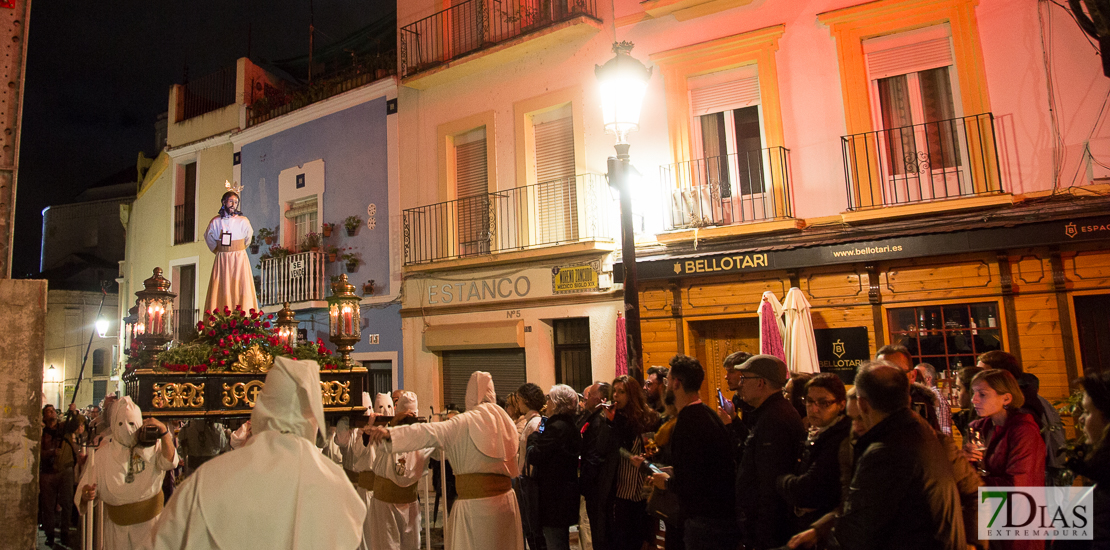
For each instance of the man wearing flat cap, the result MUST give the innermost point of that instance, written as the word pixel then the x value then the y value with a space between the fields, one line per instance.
pixel 771 449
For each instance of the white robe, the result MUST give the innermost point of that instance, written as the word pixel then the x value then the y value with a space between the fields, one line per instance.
pixel 397 526
pixel 491 523
pixel 278 491
pixel 109 473
pixel 357 457
pixel 232 281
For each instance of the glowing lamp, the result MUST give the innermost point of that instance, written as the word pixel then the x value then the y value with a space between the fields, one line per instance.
pixel 287 326
pixel 623 81
pixel 154 326
pixel 101 327
pixel 344 318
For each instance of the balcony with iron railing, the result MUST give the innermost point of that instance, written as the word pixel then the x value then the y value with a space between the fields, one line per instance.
pixel 922 163
pixel 739 188
pixel 563 211
pixel 294 278
pixel 473 26
pixel 184 223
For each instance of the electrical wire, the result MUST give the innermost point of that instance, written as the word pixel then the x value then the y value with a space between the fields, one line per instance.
pixel 1058 152
pixel 1085 35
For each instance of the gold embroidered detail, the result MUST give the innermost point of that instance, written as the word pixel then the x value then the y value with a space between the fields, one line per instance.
pixel 253 360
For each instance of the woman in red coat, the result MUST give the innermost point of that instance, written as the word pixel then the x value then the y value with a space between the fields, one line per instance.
pixel 1015 452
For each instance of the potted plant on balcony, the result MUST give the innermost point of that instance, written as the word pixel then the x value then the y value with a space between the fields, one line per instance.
pixel 332 251
pixel 368 288
pixel 351 224
pixel 278 252
pixel 352 261
pixel 254 246
pixel 327 228
pixel 311 241
pixel 266 234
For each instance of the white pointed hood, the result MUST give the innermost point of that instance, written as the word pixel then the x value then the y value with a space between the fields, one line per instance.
pixel 383 404
pixel 490 427
pixel 126 418
pixel 290 401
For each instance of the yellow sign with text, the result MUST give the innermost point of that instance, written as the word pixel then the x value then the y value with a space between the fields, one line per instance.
pixel 575 278
pixel 727 263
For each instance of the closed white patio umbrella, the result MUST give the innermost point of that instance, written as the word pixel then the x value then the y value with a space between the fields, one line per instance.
pixel 801 349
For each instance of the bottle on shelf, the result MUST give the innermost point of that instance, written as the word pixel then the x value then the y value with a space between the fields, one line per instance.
pixel 921 324
pixel 991 322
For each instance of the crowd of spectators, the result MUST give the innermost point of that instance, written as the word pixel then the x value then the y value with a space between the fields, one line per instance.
pixel 792 460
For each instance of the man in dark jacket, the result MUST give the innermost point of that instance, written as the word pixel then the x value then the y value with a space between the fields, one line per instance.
pixel 731 410
pixel 703 463
pixel 903 493
pixel 770 450
pixel 600 458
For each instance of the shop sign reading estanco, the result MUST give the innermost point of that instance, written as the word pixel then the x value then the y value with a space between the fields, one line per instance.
pixel 502 285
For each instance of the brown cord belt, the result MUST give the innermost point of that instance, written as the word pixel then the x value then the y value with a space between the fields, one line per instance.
pixel 482 485
pixel 366 480
pixel 136 512
pixel 236 245
pixel 386 490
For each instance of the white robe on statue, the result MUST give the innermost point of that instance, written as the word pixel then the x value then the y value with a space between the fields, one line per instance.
pixel 481 440
pixel 397 526
pixel 278 491
pixel 109 473
pixel 232 281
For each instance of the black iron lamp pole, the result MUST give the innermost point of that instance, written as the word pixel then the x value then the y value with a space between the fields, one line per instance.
pixel 623 82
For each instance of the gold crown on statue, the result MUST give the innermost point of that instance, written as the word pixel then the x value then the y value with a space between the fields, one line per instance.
pixel 235 188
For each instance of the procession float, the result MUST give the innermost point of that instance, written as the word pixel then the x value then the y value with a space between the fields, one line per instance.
pixel 219 372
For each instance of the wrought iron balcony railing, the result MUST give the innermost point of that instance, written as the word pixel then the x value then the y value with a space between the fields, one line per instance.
pixel 746 187
pixel 208 93
pixel 475 25
pixel 184 222
pixel 293 278
pixel 921 163
pixel 567 210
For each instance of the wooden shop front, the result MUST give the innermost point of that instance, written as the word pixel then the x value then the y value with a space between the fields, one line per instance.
pixel 1039 290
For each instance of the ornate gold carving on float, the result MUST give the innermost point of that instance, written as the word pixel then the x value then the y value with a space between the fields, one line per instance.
pixel 253 360
pixel 247 392
pixel 177 395
pixel 335 392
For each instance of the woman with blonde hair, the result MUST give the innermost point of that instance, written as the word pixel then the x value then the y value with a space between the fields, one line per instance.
pixel 1011 451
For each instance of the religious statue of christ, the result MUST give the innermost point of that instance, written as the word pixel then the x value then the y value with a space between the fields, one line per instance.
pixel 228 235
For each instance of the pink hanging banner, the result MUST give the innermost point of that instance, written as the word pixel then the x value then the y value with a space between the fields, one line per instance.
pixel 622 347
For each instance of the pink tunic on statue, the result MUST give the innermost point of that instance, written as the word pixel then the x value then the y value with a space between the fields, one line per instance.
pixel 232 281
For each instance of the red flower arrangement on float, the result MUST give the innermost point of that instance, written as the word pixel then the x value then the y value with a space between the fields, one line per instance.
pixel 222 336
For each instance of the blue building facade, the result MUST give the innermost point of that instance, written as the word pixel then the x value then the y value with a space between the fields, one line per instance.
pixel 323 164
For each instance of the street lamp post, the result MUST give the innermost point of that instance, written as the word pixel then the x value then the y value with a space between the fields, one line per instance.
pixel 623 81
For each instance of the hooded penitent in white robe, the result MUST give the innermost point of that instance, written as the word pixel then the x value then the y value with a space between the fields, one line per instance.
pixel 232 281
pixel 116 456
pixel 397 525
pixel 358 456
pixel 278 491
pixel 482 440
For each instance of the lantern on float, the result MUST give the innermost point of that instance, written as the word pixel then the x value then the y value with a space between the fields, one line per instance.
pixel 287 326
pixel 344 318
pixel 154 327
pixel 131 321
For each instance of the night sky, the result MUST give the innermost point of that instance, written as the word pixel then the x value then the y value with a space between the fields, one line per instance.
pixel 99 73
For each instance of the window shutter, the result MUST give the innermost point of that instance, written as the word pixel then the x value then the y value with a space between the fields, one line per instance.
pixel 301 207
pixel 557 199
pixel 506 366
pixel 910 58
pixel 724 96
pixel 470 169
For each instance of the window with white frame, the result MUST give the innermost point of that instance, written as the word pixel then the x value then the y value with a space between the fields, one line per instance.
pixel 913 86
pixel 728 130
pixel 301 216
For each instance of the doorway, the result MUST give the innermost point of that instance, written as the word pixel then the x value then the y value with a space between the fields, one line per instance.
pixel 715 340
pixel 1093 323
